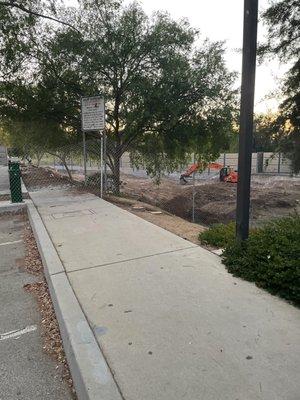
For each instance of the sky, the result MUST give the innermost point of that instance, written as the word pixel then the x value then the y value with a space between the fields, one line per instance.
pixel 223 20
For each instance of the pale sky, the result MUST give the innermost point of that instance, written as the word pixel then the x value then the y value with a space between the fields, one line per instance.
pixel 223 20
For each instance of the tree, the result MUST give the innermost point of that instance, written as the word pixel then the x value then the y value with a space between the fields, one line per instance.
pixel 21 21
pixel 264 136
pixel 265 132
pixel 283 22
pixel 33 8
pixel 32 122
pixel 163 96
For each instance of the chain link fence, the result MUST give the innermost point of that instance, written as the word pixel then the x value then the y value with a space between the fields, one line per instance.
pixel 110 170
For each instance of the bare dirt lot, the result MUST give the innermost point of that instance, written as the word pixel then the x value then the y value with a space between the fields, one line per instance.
pixel 271 196
pixel 38 177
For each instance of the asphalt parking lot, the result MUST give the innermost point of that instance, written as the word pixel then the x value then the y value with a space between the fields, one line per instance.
pixel 26 371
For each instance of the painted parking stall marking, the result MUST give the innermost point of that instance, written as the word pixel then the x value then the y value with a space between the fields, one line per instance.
pixel 17 333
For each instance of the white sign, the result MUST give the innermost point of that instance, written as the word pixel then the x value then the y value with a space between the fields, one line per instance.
pixel 92 113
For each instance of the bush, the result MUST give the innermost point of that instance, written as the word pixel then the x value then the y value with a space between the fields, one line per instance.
pixel 270 258
pixel 219 235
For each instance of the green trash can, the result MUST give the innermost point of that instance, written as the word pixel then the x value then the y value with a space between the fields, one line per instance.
pixel 15 181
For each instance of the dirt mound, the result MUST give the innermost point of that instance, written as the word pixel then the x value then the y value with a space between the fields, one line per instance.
pixel 216 201
pixel 216 211
pixel 37 177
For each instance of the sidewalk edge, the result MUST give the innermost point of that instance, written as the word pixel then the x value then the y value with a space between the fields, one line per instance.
pixel 91 375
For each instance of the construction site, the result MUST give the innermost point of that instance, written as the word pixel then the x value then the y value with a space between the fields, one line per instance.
pixel 204 196
pixel 215 202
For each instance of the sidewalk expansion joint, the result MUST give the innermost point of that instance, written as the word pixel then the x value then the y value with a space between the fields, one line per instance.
pixel 132 259
pixel 57 273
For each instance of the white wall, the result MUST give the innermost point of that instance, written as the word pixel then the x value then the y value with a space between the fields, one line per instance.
pixel 272 163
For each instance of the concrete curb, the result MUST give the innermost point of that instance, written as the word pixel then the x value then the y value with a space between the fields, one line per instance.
pixel 51 262
pixel 8 207
pixel 91 375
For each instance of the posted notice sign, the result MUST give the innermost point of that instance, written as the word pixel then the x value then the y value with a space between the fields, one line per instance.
pixel 92 113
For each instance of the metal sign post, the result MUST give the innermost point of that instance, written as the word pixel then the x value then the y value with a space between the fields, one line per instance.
pixel 246 118
pixel 92 120
pixel 84 156
pixel 101 177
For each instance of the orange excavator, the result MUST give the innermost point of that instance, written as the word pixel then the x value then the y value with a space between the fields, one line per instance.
pixel 227 174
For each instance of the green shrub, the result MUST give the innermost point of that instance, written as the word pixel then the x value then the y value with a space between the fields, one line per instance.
pixel 270 258
pixel 219 235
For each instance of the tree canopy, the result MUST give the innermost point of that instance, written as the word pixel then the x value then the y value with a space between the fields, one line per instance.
pixel 163 94
pixel 33 9
pixel 283 40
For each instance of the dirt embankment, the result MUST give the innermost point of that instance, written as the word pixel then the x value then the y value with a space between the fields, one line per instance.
pixel 271 196
pixel 38 177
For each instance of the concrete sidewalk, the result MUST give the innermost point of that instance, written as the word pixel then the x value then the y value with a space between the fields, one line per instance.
pixel 170 321
pixel 3 155
pixel 4 180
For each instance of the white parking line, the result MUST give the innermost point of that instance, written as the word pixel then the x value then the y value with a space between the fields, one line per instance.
pixel 17 333
pixel 13 242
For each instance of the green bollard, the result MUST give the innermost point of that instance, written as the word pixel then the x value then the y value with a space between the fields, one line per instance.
pixel 15 181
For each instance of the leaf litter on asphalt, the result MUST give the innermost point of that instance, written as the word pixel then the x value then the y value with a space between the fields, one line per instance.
pixel 50 329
